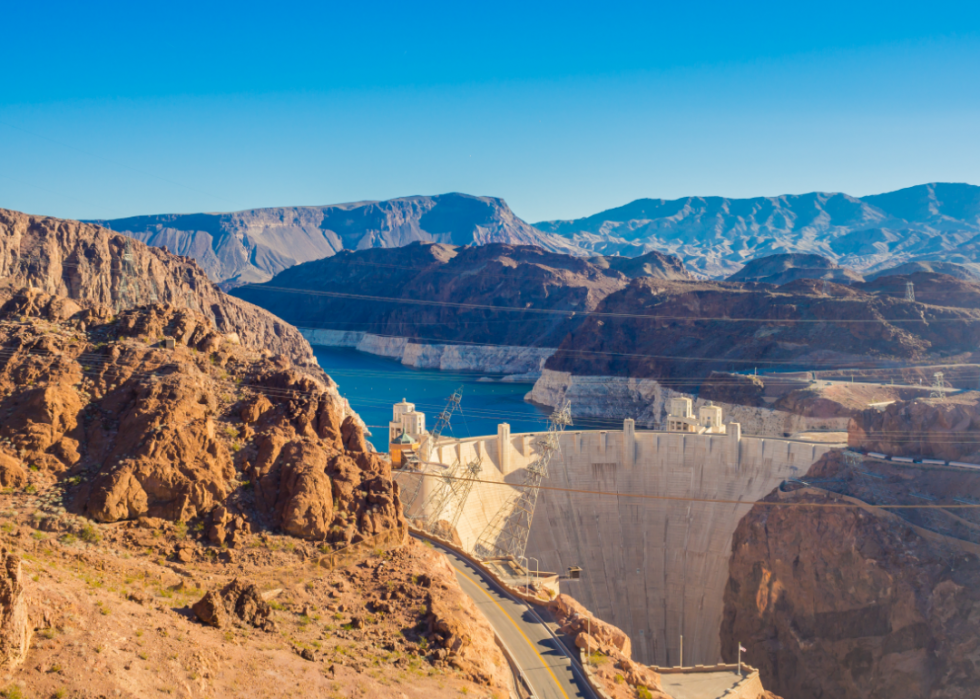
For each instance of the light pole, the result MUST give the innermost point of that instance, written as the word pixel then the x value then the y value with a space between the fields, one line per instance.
pixel 527 572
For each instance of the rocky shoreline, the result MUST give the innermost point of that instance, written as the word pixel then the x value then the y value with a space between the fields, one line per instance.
pixel 516 363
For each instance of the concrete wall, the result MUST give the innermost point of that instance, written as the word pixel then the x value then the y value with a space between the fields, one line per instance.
pixel 647 401
pixel 656 568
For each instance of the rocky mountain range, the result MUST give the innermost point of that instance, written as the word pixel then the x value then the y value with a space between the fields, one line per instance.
pixel 255 245
pixel 714 236
pixel 717 235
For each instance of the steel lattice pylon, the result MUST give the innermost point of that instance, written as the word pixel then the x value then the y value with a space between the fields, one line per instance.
pixel 448 500
pixel 507 532
pixel 442 422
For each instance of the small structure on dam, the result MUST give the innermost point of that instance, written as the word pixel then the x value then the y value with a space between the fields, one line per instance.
pixel 648 515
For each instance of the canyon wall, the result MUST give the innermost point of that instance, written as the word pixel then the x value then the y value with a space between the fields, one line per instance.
pixel 853 602
pixel 654 562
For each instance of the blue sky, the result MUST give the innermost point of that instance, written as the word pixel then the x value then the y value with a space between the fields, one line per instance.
pixel 563 109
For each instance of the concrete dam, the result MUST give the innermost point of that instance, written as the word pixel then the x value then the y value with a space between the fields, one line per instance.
pixel 656 568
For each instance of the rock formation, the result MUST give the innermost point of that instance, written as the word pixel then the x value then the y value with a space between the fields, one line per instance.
pixel 236 603
pixel 788 267
pixel 931 429
pixel 95 267
pixel 609 649
pixel 850 601
pixel 209 431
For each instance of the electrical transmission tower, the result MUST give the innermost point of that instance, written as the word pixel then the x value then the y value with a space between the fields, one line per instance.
pixel 442 422
pixel 909 291
pixel 940 387
pixel 448 500
pixel 507 532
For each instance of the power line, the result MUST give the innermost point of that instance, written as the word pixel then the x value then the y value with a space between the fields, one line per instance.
pixel 714 501
pixel 600 314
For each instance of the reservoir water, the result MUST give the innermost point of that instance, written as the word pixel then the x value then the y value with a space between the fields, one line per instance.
pixel 373 384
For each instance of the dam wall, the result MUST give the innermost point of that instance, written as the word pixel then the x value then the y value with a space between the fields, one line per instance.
pixel 656 568
pixel 646 400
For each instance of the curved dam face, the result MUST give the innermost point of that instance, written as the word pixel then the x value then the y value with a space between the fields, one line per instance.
pixel 656 568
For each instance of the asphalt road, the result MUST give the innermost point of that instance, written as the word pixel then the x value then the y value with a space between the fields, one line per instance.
pixel 548 668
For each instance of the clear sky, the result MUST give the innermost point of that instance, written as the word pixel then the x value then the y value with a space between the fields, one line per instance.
pixel 112 109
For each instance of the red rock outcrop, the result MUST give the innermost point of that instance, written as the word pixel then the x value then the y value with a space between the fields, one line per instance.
pixel 84 264
pixel 209 431
pixel 611 651
pixel 848 602
pixel 236 602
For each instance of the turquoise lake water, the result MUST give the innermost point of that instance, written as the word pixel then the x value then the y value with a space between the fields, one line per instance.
pixel 373 384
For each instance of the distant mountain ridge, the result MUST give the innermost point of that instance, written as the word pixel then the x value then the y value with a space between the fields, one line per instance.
pixel 716 235
pixel 254 245
pixel 713 236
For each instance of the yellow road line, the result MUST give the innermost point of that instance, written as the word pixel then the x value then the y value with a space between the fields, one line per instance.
pixel 519 630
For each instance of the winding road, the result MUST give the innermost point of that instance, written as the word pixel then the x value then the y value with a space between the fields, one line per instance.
pixel 542 658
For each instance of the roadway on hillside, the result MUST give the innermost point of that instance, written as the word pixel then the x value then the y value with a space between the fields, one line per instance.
pixel 546 666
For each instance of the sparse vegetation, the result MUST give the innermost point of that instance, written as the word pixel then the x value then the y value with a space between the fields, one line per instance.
pixel 89 534
pixel 13 692
pixel 643 693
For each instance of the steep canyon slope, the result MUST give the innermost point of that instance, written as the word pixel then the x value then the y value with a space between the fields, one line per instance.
pixel 94 266
pixel 854 602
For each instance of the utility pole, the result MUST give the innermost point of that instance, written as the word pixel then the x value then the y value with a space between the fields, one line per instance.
pixel 682 638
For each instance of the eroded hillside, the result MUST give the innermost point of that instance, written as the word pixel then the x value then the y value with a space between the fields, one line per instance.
pixel 96 267
pixel 181 519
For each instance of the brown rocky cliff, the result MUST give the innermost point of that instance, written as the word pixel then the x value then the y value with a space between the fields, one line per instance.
pixel 88 264
pixel 923 428
pixel 209 432
pixel 844 602
pixel 679 332
pixel 512 276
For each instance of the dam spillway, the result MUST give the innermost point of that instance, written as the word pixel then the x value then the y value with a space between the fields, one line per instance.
pixel 656 568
